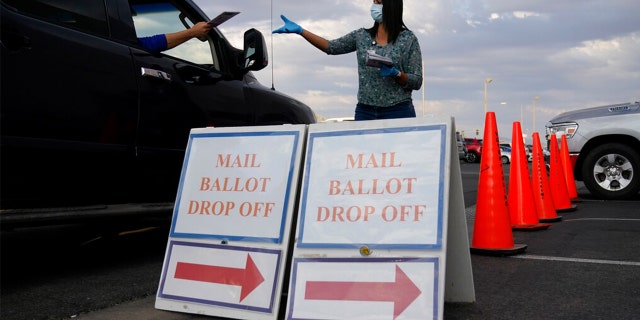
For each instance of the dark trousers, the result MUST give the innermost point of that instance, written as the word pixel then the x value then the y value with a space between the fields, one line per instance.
pixel 403 109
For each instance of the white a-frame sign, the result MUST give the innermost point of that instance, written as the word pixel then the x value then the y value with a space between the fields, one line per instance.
pixel 230 234
pixel 381 228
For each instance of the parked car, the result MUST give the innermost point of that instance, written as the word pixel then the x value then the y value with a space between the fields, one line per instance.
pixel 340 119
pixel 474 149
pixel 462 149
pixel 505 155
pixel 604 146
pixel 92 121
pixel 528 149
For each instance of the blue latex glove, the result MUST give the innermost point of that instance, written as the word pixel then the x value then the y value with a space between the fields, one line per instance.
pixel 387 71
pixel 289 26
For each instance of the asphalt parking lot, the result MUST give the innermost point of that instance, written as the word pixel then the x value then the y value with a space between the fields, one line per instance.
pixel 586 266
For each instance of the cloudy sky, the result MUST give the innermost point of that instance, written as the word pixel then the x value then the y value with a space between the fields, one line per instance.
pixel 570 54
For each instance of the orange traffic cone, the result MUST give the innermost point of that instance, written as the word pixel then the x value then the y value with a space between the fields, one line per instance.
pixel 522 208
pixel 492 232
pixel 558 184
pixel 540 184
pixel 567 167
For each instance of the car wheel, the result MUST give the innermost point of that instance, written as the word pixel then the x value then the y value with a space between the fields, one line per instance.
pixel 505 160
pixel 472 157
pixel 611 171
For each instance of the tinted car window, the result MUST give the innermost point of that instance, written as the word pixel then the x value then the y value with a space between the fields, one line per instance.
pixel 89 17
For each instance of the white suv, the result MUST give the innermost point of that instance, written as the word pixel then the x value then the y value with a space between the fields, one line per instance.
pixel 604 145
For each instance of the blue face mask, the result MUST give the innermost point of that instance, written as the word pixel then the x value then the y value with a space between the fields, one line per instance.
pixel 376 12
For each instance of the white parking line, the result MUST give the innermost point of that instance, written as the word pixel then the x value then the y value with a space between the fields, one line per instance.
pixel 600 219
pixel 549 258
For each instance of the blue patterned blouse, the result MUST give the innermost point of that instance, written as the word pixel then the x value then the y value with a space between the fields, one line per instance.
pixel 374 89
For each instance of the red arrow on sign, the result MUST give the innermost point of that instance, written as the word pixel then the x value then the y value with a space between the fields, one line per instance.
pixel 248 278
pixel 402 292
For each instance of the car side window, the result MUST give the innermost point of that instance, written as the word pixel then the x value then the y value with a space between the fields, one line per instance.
pixel 162 17
pixel 85 15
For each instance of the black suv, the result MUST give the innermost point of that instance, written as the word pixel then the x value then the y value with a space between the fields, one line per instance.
pixel 94 123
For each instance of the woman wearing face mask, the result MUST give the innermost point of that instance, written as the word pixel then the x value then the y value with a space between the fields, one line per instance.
pixel 385 92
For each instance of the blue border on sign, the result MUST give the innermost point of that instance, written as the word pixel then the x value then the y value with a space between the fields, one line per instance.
pixel 304 190
pixel 296 261
pixel 218 303
pixel 192 137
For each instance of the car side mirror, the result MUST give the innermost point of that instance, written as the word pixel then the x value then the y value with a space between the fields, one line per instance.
pixel 255 51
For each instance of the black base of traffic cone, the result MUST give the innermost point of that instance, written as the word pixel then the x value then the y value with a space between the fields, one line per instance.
pixel 517 249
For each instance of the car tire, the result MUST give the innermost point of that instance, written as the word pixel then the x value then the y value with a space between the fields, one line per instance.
pixel 472 157
pixel 505 159
pixel 612 171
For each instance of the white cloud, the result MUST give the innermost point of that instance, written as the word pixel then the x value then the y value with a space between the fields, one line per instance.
pixel 514 14
pixel 524 14
pixel 618 55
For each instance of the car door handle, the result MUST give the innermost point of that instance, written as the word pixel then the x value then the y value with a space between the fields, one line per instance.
pixel 148 72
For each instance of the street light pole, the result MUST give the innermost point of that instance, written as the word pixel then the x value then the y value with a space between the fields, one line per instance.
pixel 486 82
pixel 534 113
pixel 521 117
